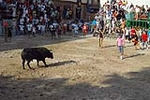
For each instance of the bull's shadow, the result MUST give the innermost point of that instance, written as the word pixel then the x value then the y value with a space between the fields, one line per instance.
pixel 60 63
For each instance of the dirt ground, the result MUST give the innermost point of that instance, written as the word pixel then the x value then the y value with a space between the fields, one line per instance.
pixel 80 70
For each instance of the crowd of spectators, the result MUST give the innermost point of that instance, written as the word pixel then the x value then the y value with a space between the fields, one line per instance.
pixel 114 13
pixel 113 17
pixel 39 16
pixel 33 16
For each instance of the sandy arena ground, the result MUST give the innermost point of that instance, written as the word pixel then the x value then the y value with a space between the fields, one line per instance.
pixel 80 71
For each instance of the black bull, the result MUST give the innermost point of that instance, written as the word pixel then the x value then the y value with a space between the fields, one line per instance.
pixel 40 53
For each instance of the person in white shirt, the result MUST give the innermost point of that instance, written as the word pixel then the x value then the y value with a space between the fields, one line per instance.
pixel 137 10
pixel 29 28
pixel 21 29
pixel 42 29
pixel 76 30
pixel 39 28
pixel 52 30
pixel 34 30
pixel 21 21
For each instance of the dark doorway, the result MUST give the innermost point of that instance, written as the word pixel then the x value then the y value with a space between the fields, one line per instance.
pixel 78 12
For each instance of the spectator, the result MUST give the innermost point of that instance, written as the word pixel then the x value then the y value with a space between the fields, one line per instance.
pixel 34 30
pixel 93 25
pixel 5 25
pixel 9 32
pixel 135 40
pixel 29 28
pixel 64 28
pixel 59 30
pixel 39 27
pixel 148 35
pixel 21 30
pixel 43 29
pixel 144 38
pixel 85 29
pixel 76 30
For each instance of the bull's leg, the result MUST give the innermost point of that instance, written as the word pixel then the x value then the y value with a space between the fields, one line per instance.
pixel 44 63
pixel 23 62
pixel 28 63
pixel 38 63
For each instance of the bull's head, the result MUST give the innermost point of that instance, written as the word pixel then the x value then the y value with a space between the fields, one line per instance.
pixel 50 54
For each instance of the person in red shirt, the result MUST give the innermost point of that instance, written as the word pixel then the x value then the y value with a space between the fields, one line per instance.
pixel 85 29
pixel 135 40
pixel 132 31
pixel 144 38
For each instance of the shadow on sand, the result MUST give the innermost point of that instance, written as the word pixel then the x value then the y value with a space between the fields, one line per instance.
pixel 134 55
pixel 109 46
pixel 130 86
pixel 20 42
pixel 61 63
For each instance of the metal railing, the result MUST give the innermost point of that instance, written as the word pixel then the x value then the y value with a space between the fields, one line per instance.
pixel 143 23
